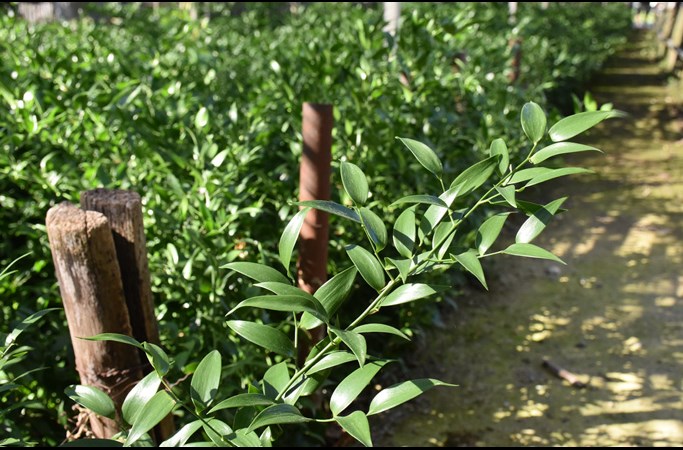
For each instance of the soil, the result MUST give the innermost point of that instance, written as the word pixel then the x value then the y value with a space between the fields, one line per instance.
pixel 612 317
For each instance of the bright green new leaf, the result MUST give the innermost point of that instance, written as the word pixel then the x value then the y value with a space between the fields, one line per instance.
pixel 424 155
pixel 531 251
pixel 508 193
pixel 533 121
pixel 402 392
pixel 498 148
pixel 411 292
pixel 242 400
pixel 205 381
pixel 157 358
pixel 355 342
pixel 332 208
pixel 217 160
pixel 556 173
pixel 180 438
pixel 150 415
pixel 351 386
pixel 331 360
pixel 264 336
pixel 357 425
pixel 275 380
pixel 560 148
pixel 535 224
pixel 367 264
pixel 470 262
pixel 527 174
pixel 404 233
pixel 375 228
pixel 331 295
pixel 475 175
pixel 380 328
pixel 258 272
pixel 488 232
pixel 277 414
pixel 289 238
pixel 570 126
pixel 287 303
pixel 115 337
pixel 355 183
pixel 421 199
pixel 139 396
pixel 92 398
pixel 202 118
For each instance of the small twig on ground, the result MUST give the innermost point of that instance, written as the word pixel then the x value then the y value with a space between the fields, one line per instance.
pixel 563 374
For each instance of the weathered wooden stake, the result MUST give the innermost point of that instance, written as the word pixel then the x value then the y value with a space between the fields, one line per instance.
pixel 669 15
pixel 91 289
pixel 676 40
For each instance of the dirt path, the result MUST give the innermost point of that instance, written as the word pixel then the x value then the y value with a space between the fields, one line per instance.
pixel 613 316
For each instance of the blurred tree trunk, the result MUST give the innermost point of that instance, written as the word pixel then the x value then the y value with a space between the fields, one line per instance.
pixel 46 11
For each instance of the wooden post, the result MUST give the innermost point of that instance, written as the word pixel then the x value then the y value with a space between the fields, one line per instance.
pixel 675 41
pixel 392 17
pixel 91 289
pixel 669 15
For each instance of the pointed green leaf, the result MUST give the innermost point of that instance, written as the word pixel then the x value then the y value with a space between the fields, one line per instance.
pixel 531 251
pixel 332 208
pixel 258 272
pixel 201 119
pixel 157 358
pixel 275 380
pixel 404 232
pixel 331 360
pixel 277 414
pixel 180 438
pixel 351 386
pixel 421 199
pixel 560 148
pixel 244 438
pixel 242 400
pixel 380 328
pixel 355 342
pixel 508 193
pixel 367 264
pixel 488 232
pixel 264 336
pixel 218 431
pixel 289 238
pixel 331 295
pixel 411 292
pixel 355 183
pixel 150 415
pixel 403 266
pixel 570 126
pixel 357 425
pixel 205 381
pixel 92 398
pixel 375 228
pixel 470 261
pixel 475 175
pixel 27 322
pixel 285 289
pixel 139 396
pixel 498 147
pixel 556 173
pixel 424 155
pixel 535 224
pixel 402 392
pixel 435 214
pixel 527 174
pixel 115 337
pixel 287 303
pixel 533 122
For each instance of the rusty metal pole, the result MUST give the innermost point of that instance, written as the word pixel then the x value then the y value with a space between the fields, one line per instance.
pixel 314 184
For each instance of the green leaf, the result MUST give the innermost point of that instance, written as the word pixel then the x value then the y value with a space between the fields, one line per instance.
pixel 498 147
pixel 424 155
pixel 244 438
pixel 115 337
pixel 332 208
pixel 475 175
pixel 288 303
pixel 470 261
pixel 217 160
pixel 277 414
pixel 331 295
pixel 367 264
pixel 90 443
pixel 205 381
pixel 411 292
pixel 355 183
pixel 275 380
pixel 403 265
pixel 556 173
pixel 258 272
pixel 92 398
pixel 404 232
pixel 527 174
pixel 355 342
pixel 150 415
pixel 241 401
pixel 289 238
pixel 380 328
pixel 284 289
pixel 560 148
pixel 180 438
pixel 570 126
pixel 264 336
pixel 157 358
pixel 421 199
pixel 531 251
pixel 27 322
pixel 508 193
pixel 535 224
pixel 533 122
pixel 351 386
pixel 218 431
pixel 435 214
pixel 201 119
pixel 357 425
pixel 375 228
pixel 402 392
pixel 139 396
pixel 331 360
pixel 488 232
